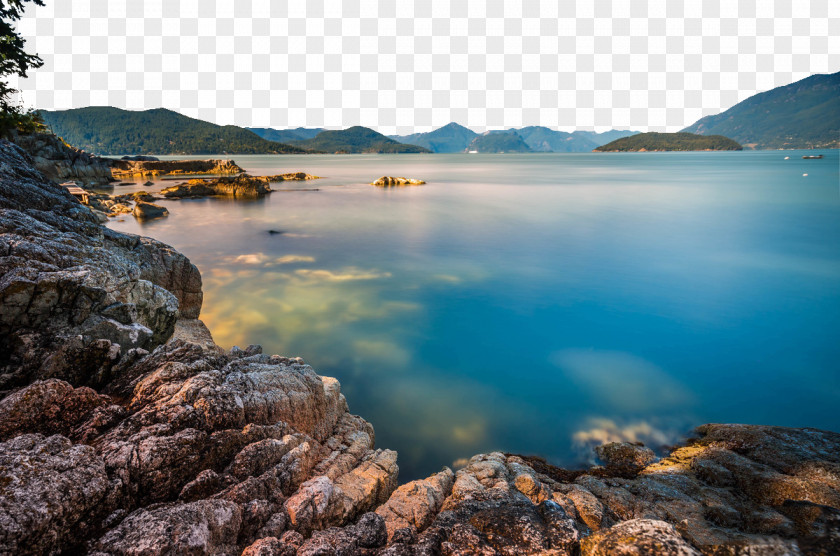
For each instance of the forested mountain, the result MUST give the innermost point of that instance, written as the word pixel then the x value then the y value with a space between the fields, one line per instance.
pixel 285 135
pixel 502 142
pixel 108 130
pixel 451 138
pixel 670 142
pixel 802 115
pixel 356 139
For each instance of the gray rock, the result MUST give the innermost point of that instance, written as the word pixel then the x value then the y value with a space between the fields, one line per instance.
pixel 203 527
pixel 49 490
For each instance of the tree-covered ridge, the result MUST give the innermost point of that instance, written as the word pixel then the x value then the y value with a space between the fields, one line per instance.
pixel 285 135
pixel 108 131
pixel 680 141
pixel 802 115
pixel 356 139
pixel 505 142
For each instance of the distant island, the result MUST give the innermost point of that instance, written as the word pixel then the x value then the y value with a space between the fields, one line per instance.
pixel 356 139
pixel 646 142
pixel 802 115
pixel 106 130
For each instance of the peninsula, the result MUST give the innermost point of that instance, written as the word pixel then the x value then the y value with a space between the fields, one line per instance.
pixel 646 142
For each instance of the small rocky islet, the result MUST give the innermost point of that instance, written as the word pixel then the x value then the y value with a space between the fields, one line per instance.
pixel 124 429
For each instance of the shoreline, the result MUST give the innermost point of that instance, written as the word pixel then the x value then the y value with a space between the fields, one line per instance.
pixel 123 426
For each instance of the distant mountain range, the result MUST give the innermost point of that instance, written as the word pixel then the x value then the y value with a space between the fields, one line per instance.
pixel 502 142
pixel 805 114
pixel 455 138
pixel 802 115
pixel 356 139
pixel 451 138
pixel 108 131
pixel 681 141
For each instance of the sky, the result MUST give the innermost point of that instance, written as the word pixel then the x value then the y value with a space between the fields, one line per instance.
pixel 415 65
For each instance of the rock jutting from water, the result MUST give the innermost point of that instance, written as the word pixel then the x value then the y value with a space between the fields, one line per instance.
pixel 125 430
pixel 390 181
pixel 140 168
pixel 243 185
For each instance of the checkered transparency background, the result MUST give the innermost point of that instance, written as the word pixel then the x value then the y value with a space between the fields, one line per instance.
pixel 411 65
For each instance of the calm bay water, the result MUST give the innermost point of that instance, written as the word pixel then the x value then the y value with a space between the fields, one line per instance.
pixel 536 303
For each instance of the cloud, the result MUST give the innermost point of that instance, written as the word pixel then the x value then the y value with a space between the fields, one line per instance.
pixel 261 259
pixel 621 380
pixel 344 275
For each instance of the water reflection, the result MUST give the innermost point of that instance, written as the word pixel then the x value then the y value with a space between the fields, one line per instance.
pixel 536 303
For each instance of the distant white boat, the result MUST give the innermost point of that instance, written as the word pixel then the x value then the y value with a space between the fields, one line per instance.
pixel 473 152
pixel 812 156
pixel 787 158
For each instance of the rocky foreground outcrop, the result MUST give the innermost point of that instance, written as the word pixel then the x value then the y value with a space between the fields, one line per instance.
pixel 61 162
pixel 243 185
pixel 125 430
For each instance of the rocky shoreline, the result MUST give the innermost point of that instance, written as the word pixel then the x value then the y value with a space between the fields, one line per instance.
pixel 125 430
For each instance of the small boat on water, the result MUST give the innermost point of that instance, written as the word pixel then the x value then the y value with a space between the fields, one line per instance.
pixel 809 156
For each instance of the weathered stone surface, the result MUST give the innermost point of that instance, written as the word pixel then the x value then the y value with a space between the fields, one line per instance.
pixel 203 527
pixel 391 181
pixel 66 283
pixel 641 537
pixel 61 162
pixel 49 490
pixel 624 458
pixel 417 503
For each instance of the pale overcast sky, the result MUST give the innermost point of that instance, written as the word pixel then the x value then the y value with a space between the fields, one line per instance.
pixel 401 66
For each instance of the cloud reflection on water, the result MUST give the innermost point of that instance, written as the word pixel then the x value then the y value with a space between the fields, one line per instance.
pixel 623 380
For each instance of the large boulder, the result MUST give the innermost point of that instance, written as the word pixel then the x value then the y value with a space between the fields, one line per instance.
pixel 147 211
pixel 67 285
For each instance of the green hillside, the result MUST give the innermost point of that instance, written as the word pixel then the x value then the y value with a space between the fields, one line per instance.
pixel 504 142
pixel 285 135
pixel 802 115
pixel 108 131
pixel 356 139
pixel 670 142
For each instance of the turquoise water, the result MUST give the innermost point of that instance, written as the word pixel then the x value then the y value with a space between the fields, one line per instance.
pixel 536 303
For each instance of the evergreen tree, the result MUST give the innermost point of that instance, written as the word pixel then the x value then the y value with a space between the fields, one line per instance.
pixel 14 60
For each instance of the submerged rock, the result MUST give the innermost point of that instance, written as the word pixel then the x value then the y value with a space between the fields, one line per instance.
pixel 390 181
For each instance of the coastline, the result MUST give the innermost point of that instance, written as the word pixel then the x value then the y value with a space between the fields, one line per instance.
pixel 114 392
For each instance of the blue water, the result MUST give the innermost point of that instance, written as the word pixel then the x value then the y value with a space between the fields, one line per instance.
pixel 536 303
